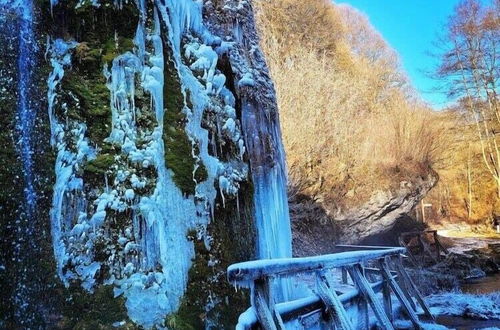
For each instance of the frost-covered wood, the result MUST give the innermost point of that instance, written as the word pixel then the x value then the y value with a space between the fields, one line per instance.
pixel 324 304
pixel 247 271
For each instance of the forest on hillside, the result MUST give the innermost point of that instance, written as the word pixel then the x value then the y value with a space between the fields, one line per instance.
pixel 354 125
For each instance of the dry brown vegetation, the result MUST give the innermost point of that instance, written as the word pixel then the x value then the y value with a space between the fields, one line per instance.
pixel 469 72
pixel 466 191
pixel 350 122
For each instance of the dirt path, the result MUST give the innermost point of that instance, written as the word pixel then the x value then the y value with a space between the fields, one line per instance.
pixel 463 239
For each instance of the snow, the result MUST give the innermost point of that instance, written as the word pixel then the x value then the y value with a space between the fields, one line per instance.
pixel 129 194
pixel 246 80
pixel 484 307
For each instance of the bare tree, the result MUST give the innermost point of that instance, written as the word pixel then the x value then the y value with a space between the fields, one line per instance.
pixel 469 66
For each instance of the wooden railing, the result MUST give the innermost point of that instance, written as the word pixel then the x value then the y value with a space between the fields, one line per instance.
pixel 433 251
pixel 375 273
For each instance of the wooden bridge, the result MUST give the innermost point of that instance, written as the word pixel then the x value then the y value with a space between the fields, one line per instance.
pixel 422 246
pixel 334 290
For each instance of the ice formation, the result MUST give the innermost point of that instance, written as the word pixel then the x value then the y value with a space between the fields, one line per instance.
pixel 148 259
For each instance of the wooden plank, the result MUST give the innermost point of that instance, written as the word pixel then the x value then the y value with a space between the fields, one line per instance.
pixel 245 272
pixel 402 284
pixel 386 294
pixel 363 316
pixel 409 253
pixel 344 275
pixel 264 314
pixel 346 247
pixel 438 242
pixel 367 292
pixel 414 290
pixel 279 321
pixel 425 246
pixel 334 306
pixel 399 294
pixel 260 299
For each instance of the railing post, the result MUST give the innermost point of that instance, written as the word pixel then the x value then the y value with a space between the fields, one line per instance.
pixel 436 244
pixel 363 316
pixel 400 294
pixel 402 283
pixel 366 290
pixel 426 249
pixel 263 302
pixel 411 286
pixel 386 293
pixel 344 275
pixel 337 312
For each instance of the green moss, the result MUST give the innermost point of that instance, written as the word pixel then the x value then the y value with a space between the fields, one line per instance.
pixel 94 170
pixel 94 104
pixel 112 48
pixel 178 147
pixel 101 164
pixel 226 250
pixel 98 310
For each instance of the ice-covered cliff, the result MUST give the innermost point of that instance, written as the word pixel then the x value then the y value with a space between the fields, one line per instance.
pixel 168 161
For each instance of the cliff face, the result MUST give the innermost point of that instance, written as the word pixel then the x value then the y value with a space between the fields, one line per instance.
pixel 163 121
pixel 381 212
pixel 377 221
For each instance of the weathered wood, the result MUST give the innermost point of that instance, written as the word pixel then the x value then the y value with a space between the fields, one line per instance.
pixel 264 314
pixel 399 294
pixel 386 294
pixel 344 275
pixel 426 248
pixel 414 260
pixel 438 243
pixel 402 283
pixel 366 290
pixel 334 306
pixel 244 273
pixel 411 285
pixel 268 315
pixel 363 316
pixel 261 301
pixel 347 247
pixel 279 321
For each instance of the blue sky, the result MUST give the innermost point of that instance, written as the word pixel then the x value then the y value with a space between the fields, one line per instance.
pixel 411 27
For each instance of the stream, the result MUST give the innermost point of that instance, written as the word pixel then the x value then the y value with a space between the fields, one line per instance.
pixel 485 285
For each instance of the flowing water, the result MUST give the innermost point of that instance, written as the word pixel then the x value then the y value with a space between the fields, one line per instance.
pixel 26 310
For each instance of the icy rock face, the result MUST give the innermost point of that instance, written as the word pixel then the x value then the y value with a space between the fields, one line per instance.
pixel 118 217
pixel 241 55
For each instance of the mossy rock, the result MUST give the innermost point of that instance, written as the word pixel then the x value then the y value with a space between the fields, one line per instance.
pixel 98 310
pixel 112 48
pixel 230 222
pixel 178 147
pixel 94 104
pixel 95 170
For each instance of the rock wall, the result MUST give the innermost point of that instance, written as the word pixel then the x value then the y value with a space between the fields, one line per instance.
pixel 376 222
pixel 381 212
pixel 163 121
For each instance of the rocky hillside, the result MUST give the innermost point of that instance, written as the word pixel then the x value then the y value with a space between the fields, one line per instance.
pixel 360 145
